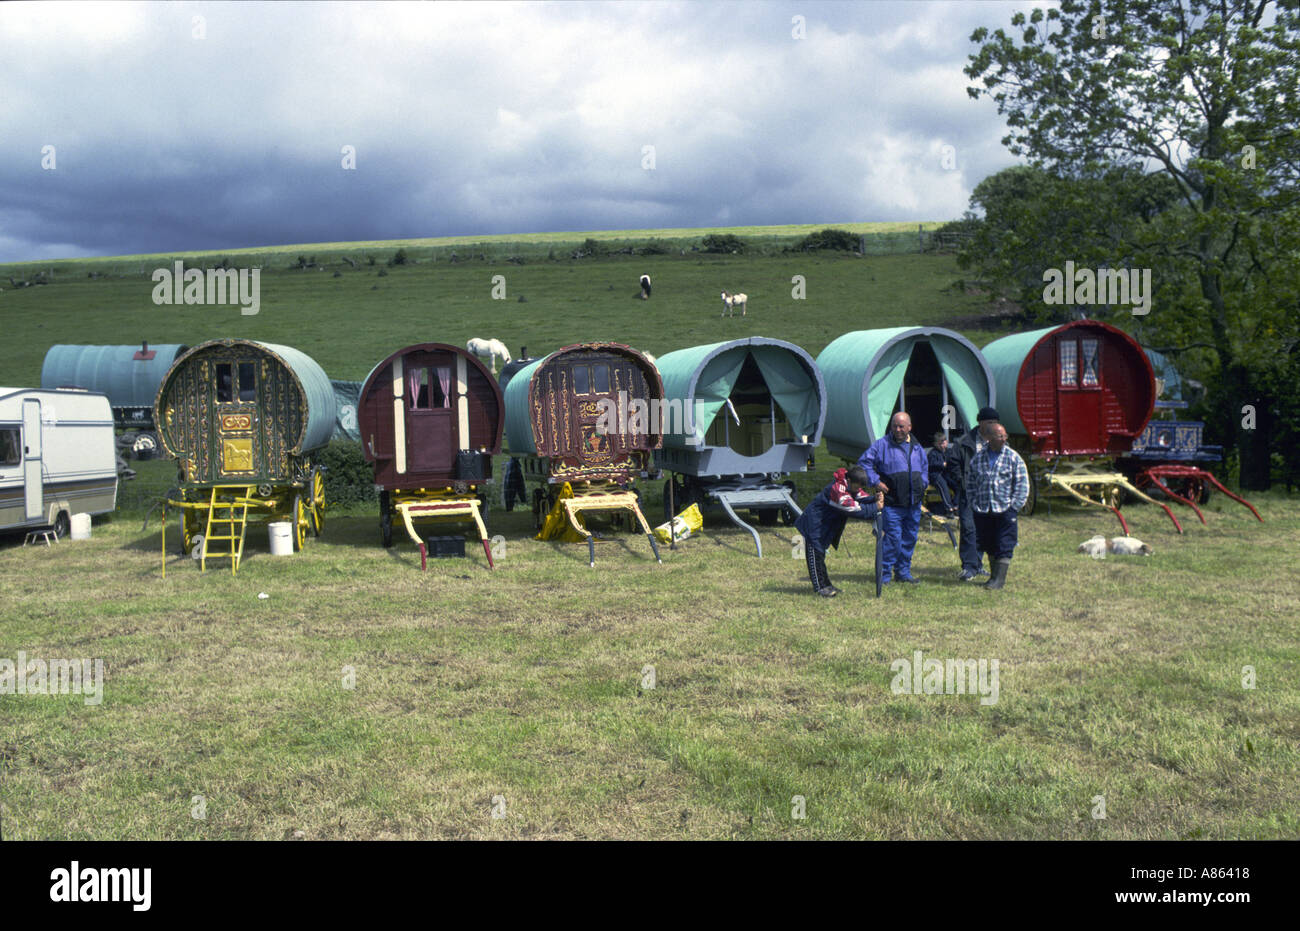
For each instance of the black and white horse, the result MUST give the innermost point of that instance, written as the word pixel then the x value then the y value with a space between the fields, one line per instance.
pixel 645 287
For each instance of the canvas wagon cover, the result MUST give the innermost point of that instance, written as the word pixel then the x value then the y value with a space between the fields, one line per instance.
pixel 704 376
pixel 864 371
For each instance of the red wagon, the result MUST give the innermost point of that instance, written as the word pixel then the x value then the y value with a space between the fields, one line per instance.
pixel 430 419
pixel 1072 398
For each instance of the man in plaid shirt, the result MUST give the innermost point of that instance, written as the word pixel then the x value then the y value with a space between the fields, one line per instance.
pixel 997 484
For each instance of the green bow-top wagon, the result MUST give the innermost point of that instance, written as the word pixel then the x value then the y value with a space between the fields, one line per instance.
pixel 243 419
pixel 741 415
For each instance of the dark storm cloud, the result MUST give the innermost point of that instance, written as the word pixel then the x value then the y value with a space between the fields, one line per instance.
pixel 476 118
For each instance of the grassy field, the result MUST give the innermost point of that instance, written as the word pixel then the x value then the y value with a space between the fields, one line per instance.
pixel 522 692
pixel 351 322
pixel 1119 677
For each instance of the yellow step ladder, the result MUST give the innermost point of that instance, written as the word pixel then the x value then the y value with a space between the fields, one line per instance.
pixel 235 520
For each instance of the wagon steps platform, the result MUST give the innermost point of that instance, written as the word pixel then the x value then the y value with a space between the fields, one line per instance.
pixel 757 497
pixel 1110 486
pixel 589 496
pixel 1194 478
pixel 446 502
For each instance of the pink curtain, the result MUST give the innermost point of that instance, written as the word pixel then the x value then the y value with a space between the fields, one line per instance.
pixel 415 388
pixel 444 379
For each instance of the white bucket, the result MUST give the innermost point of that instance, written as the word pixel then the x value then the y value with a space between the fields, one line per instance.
pixel 80 526
pixel 281 532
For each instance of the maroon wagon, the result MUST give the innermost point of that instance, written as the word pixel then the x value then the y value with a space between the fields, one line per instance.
pixel 430 419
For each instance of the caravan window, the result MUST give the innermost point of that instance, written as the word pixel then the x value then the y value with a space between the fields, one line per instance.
pixel 225 382
pixel 247 381
pixel 10 450
pixel 1069 363
pixel 419 384
pixel 1090 364
pixel 581 380
pixel 600 378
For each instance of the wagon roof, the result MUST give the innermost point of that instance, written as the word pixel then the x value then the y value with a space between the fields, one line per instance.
pixel 865 369
pixel 703 376
pixel 1008 356
pixel 313 383
pixel 114 370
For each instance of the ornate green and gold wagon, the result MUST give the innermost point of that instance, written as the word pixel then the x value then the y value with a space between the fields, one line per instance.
pixel 242 419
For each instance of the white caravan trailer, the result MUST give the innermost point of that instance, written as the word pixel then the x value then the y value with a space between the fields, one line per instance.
pixel 57 457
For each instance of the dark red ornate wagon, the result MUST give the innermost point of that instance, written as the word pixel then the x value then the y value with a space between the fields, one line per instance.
pixel 430 419
pixel 587 415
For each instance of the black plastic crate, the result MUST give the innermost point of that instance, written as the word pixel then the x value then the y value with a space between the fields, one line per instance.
pixel 445 547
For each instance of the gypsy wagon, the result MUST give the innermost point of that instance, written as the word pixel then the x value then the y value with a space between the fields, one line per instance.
pixel 430 418
pixel 579 417
pixel 128 375
pixel 740 416
pixel 242 418
pixel 1074 397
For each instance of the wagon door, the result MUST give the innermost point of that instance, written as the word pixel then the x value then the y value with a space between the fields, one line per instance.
pixel 237 418
pixel 592 377
pixel 431 422
pixel 1079 395
pixel 33 486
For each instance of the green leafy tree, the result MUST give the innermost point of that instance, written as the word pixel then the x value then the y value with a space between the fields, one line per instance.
pixel 1206 93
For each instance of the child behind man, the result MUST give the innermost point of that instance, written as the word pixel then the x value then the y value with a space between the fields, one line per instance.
pixel 822 522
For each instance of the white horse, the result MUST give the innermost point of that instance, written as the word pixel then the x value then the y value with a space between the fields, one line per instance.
pixel 489 349
pixel 645 287
pixel 731 301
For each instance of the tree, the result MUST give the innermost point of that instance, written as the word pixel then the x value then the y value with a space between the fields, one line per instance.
pixel 1206 92
pixel 1033 218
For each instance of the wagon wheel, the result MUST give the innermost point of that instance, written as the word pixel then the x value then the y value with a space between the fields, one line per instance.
pixel 191 528
pixel 1194 489
pixel 627 517
pixel 1031 502
pixel 539 508
pixel 385 519
pixel 787 515
pixel 301 521
pixel 317 507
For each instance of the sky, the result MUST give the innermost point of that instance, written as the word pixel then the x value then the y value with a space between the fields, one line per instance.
pixel 132 128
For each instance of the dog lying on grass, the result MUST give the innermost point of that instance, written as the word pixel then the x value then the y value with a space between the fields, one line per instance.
pixel 1097 547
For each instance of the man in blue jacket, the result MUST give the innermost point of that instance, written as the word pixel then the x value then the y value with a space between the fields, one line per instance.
pixel 822 522
pixel 896 464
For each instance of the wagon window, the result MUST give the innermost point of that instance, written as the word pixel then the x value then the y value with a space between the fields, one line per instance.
pixel 419 385
pixel 1090 366
pixel 442 387
pixel 9 454
pixel 247 381
pixel 581 380
pixel 600 378
pixel 1069 363
pixel 225 382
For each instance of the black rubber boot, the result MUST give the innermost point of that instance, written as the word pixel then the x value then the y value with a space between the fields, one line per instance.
pixel 999 579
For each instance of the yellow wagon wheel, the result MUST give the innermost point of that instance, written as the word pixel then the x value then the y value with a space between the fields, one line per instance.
pixel 191 527
pixel 300 515
pixel 317 508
